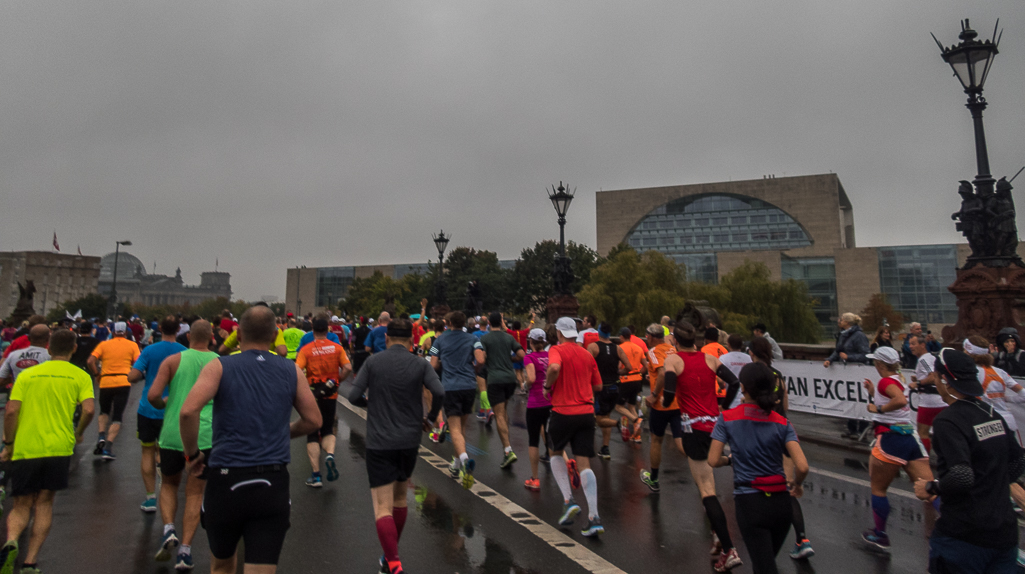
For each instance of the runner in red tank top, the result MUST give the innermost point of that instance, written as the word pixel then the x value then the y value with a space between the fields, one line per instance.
pixel 691 375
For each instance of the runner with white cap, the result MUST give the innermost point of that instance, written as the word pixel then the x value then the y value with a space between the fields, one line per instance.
pixel 897 444
pixel 997 384
pixel 570 383
pixel 115 357
pixel 539 408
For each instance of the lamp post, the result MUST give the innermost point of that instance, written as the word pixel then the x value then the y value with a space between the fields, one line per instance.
pixel 971 60
pixel 988 286
pixel 440 307
pixel 113 285
pixel 562 302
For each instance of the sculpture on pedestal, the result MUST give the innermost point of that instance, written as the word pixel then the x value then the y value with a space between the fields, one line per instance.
pixel 24 309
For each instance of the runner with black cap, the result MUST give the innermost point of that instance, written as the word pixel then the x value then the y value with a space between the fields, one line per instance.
pixel 394 380
pixel 976 459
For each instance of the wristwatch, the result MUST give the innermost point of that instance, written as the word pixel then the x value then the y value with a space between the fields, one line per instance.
pixel 933 487
pixel 190 458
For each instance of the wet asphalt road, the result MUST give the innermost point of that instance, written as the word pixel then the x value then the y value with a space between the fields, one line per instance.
pixel 98 526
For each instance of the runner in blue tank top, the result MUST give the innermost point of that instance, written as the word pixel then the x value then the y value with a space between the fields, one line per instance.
pixel 247 493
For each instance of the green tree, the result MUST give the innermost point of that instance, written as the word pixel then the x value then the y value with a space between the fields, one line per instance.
pixel 532 277
pixel 632 288
pixel 465 264
pixel 784 306
pixel 368 295
pixel 93 305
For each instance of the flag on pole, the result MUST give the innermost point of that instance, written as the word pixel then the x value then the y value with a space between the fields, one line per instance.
pixel 79 249
pixel 56 246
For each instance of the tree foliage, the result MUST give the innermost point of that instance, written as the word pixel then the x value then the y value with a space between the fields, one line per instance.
pixel 532 277
pixel 632 288
pixel 879 310
pixel 92 305
pixel 465 264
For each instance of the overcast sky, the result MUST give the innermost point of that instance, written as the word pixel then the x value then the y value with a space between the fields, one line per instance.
pixel 273 134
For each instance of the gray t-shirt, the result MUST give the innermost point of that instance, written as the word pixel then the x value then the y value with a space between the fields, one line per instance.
pixel 499 347
pixel 455 351
pixel 22 359
pixel 394 380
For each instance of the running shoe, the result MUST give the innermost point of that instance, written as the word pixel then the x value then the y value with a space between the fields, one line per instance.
pixel 880 541
pixel 332 470
pixel 434 435
pixel 728 561
pixel 184 562
pixel 574 474
pixel 8 556
pixel 570 510
pixel 169 543
pixel 100 445
pixel 545 458
pixel 604 453
pixel 466 474
pixel 594 528
pixel 383 564
pixel 624 431
pixel 108 455
pixel 532 484
pixel 314 481
pixel 637 438
pixel 30 570
pixel 149 505
pixel 802 550
pixel 482 415
pixel 490 416
pixel 453 469
pixel 716 545
pixel 510 457
pixel 637 427
pixel 649 482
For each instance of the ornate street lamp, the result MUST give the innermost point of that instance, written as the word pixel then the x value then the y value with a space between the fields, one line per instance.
pixel 562 303
pixel 113 287
pixel 971 61
pixel 441 242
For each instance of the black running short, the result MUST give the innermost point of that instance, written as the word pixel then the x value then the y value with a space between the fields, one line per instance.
pixel 172 462
pixel 577 431
pixel 113 401
pixel 537 418
pixel 328 409
pixel 605 400
pixel 696 444
pixel 498 394
pixel 658 420
pixel 252 505
pixel 459 403
pixel 387 466
pixel 628 393
pixel 30 475
pixel 148 430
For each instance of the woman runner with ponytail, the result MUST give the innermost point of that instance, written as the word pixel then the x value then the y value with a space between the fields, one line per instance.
pixel 758 438
pixel 760 350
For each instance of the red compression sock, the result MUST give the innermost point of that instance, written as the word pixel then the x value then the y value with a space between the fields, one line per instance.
pixel 389 537
pixel 399 515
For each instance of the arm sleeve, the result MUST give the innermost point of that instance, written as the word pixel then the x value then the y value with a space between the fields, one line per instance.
pixel 732 383
pixel 433 384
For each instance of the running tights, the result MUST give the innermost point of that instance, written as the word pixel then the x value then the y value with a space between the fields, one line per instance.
pixel 718 520
pixel 795 506
pixel 558 464
pixel 764 523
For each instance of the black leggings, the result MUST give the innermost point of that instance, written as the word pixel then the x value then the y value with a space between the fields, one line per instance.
pixel 764 523
pixel 537 418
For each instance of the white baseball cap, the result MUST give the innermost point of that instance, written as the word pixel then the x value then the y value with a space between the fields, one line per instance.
pixel 885 354
pixel 567 326
pixel 537 335
pixel 120 327
pixel 335 319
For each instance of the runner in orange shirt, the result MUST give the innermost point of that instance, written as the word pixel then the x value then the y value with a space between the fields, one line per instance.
pixel 659 415
pixel 712 347
pixel 630 387
pixel 326 364
pixel 115 357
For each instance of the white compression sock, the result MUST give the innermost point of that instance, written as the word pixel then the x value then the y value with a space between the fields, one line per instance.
pixel 590 485
pixel 561 476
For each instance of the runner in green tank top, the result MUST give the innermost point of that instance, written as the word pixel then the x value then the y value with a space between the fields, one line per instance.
pixel 179 373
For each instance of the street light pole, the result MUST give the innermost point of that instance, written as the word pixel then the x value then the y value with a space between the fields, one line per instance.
pixel 440 307
pixel 113 286
pixel 562 303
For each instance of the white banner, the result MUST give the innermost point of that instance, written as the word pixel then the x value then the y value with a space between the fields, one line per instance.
pixel 838 391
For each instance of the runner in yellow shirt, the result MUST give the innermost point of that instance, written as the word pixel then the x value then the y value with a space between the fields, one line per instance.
pixel 230 344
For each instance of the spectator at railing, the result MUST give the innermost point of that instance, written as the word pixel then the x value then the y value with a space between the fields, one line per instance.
pixel 852 344
pixel 1009 355
pixel 883 338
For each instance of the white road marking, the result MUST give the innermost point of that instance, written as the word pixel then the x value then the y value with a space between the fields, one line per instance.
pixel 860 482
pixel 546 532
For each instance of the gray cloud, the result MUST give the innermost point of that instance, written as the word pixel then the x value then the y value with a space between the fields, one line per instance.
pixel 269 134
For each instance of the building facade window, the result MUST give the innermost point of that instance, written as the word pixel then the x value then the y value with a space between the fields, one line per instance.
pixel 819 275
pixel 915 279
pixel 703 267
pixel 333 284
pixel 717 222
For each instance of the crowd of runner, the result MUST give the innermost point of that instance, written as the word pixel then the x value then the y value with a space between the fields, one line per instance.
pixel 218 397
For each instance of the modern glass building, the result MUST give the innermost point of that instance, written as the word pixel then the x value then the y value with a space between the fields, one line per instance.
pixel 915 279
pixel 819 275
